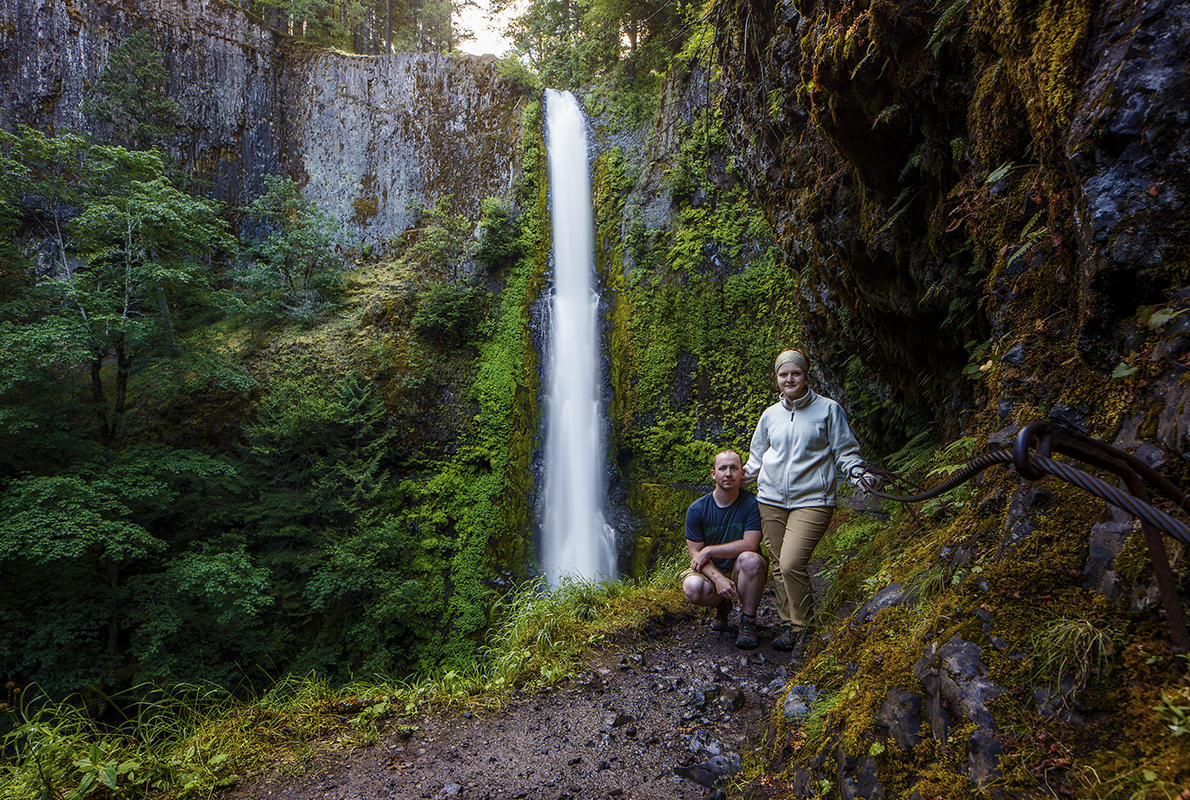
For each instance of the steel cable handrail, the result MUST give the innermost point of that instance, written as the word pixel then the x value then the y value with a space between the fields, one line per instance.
pixel 1101 489
pixel 1030 457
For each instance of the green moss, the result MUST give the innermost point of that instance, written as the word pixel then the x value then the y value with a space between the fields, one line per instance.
pixel 365 208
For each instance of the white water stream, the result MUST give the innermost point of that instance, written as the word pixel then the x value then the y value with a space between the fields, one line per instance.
pixel 576 541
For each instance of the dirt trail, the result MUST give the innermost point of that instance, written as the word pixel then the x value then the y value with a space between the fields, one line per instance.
pixel 661 715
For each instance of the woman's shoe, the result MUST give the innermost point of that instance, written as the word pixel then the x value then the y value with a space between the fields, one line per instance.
pixel 787 639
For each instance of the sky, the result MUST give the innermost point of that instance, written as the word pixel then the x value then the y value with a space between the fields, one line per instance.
pixel 487 28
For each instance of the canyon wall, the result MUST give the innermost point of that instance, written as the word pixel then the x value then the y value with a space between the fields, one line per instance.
pixel 370 137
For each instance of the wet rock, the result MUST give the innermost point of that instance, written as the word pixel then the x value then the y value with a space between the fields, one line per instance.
pixel 857 777
pixel 1003 437
pixel 892 595
pixel 708 772
pixel 1053 702
pixel 1018 524
pixel 900 717
pixel 1106 541
pixel 983 756
pixel 964 680
pixel 1015 355
pixel 957 555
pixel 700 743
pixel 800 701
pixel 1128 150
pixel 1074 418
pixel 956 683
pixel 703 693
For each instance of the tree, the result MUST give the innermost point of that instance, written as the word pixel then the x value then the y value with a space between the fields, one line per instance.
pixel 126 247
pixel 499 246
pixel 444 243
pixel 574 43
pixel 122 256
pixel 131 102
pixel 293 270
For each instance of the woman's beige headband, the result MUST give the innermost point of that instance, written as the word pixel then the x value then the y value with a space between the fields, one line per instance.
pixel 796 356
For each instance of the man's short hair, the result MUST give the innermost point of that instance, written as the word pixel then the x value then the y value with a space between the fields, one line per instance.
pixel 715 459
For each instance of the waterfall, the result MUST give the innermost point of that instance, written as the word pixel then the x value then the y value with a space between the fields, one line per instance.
pixel 576 541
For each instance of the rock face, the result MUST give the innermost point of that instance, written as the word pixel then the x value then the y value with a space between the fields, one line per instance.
pixel 1128 146
pixel 369 137
pixel 946 174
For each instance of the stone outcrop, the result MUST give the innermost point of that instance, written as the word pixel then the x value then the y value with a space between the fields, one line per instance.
pixel 369 137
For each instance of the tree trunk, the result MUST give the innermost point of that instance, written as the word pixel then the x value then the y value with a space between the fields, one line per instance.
pixel 98 400
pixel 170 334
pixel 123 367
pixel 388 26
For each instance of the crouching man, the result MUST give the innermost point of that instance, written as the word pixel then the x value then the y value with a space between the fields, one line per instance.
pixel 723 536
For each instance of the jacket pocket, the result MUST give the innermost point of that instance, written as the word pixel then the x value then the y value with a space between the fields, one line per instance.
pixel 817 438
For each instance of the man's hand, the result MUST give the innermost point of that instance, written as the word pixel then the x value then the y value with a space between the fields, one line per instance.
pixel 725 586
pixel 699 560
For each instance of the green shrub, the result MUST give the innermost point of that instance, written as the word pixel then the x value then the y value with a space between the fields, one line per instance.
pixel 447 313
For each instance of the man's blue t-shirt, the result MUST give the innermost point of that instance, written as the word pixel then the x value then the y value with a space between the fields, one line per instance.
pixel 706 522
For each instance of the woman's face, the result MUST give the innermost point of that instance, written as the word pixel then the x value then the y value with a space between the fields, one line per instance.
pixel 791 380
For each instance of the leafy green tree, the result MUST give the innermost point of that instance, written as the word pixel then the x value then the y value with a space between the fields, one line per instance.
pixel 499 246
pixel 620 47
pixel 293 270
pixel 131 103
pixel 444 243
pixel 69 540
pixel 447 313
pixel 366 26
pixel 121 260
pixel 126 248
pixel 349 577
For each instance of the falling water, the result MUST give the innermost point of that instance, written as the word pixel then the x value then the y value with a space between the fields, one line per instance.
pixel 576 541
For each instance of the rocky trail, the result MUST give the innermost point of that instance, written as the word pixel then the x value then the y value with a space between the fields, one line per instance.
pixel 667 713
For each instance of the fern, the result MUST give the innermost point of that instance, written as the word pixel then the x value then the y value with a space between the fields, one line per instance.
pixel 944 29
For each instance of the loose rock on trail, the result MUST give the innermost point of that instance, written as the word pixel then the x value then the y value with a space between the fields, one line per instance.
pixel 667 713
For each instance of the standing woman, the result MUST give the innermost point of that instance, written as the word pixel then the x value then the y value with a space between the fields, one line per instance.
pixel 800 446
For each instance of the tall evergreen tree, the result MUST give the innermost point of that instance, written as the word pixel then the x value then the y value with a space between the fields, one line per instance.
pixel 131 104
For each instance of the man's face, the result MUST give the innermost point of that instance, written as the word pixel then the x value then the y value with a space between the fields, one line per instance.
pixel 727 471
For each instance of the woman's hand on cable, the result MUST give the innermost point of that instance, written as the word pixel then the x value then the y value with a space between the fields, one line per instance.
pixel 864 481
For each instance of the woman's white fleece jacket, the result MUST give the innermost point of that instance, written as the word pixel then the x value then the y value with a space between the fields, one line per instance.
pixel 799 448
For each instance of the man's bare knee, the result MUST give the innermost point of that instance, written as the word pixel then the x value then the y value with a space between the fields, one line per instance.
pixel 751 564
pixel 696 588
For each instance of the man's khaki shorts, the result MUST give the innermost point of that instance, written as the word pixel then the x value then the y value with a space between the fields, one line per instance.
pixel 688 572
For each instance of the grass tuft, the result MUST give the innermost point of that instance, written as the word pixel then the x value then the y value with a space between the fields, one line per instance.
pixel 1069 653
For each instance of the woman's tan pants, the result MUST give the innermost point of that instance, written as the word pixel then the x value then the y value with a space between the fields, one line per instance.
pixel 790 535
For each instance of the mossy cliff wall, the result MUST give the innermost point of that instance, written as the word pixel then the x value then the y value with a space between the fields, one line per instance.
pixel 985 204
pixel 369 137
pixel 948 175
pixel 699 305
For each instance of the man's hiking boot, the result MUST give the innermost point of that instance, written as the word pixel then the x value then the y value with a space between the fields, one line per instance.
pixel 722 612
pixel 747 637
pixel 787 639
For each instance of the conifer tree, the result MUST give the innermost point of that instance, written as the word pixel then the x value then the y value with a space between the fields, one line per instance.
pixel 131 103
